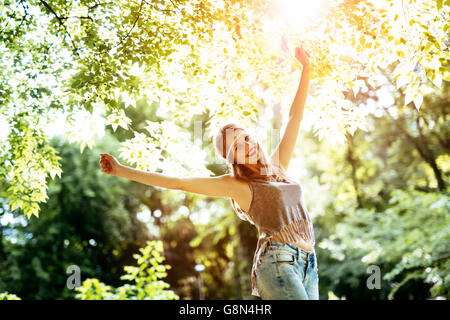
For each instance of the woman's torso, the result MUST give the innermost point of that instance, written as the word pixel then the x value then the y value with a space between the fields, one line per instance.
pixel 244 199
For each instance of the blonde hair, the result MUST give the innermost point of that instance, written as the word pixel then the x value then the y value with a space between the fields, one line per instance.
pixel 240 170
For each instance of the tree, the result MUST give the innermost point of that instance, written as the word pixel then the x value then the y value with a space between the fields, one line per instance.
pixel 88 222
pixel 407 241
pixel 377 206
pixel 194 57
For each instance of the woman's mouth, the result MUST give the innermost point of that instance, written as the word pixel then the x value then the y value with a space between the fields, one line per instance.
pixel 251 152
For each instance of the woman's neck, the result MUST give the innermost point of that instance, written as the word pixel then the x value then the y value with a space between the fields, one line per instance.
pixel 260 169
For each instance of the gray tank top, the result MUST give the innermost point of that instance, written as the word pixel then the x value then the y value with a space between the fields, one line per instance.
pixel 276 208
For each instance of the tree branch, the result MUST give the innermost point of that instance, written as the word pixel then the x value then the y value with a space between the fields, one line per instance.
pixel 425 152
pixel 76 17
pixel 46 5
pixel 134 24
pixel 159 9
pixel 99 4
pixel 21 22
pixel 445 143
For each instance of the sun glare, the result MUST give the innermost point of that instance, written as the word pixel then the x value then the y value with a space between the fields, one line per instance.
pixel 295 13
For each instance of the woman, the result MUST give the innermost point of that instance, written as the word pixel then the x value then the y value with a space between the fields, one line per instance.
pixel 284 264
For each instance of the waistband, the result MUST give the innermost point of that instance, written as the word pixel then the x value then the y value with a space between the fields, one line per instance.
pixel 290 247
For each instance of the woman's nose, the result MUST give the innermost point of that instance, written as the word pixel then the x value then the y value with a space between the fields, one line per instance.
pixel 248 146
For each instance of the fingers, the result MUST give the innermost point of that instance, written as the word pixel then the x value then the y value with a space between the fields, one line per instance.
pixel 303 48
pixel 105 164
pixel 105 156
pixel 306 52
pixel 106 169
pixel 299 50
pixel 104 159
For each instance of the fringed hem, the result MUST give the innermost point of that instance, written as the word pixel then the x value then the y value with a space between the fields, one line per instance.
pixel 299 229
pixel 255 292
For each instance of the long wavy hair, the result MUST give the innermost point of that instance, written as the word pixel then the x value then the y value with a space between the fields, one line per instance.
pixel 240 170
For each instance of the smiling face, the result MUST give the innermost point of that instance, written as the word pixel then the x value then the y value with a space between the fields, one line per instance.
pixel 244 155
pixel 242 147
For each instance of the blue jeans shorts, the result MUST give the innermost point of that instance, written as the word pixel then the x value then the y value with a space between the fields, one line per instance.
pixel 287 272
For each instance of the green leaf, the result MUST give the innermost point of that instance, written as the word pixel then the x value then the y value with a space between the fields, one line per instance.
pixel 418 99
pixel 446 77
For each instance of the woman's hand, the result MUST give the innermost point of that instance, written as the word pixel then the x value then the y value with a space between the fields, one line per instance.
pixel 302 56
pixel 109 164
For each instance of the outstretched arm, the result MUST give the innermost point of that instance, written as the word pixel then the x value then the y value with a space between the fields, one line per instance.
pixel 282 154
pixel 221 186
pixel 149 178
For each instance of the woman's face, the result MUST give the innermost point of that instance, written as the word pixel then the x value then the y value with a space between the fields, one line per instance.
pixel 244 148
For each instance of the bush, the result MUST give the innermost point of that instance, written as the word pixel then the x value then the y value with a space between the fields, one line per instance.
pixel 145 278
pixel 8 296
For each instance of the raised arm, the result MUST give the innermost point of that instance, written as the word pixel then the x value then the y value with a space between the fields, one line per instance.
pixel 282 154
pixel 221 186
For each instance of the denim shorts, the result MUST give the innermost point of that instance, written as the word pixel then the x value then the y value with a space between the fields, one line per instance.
pixel 287 272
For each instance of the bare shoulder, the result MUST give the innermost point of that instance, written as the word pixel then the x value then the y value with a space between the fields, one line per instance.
pixel 242 193
pixel 236 183
pixel 220 186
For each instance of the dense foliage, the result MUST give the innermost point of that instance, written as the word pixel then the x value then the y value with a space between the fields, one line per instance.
pixel 89 221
